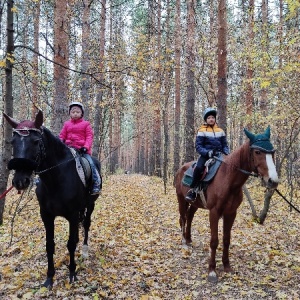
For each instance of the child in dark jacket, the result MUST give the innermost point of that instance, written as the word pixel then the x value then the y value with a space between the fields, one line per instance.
pixel 209 140
pixel 77 133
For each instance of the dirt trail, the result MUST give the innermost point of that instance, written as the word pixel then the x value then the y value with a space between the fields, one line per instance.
pixel 135 251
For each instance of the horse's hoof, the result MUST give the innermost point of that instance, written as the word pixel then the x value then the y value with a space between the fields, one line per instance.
pixel 212 277
pixel 85 251
pixel 48 283
pixel 73 277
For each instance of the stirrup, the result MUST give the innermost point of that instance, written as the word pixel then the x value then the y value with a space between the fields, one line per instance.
pixel 189 193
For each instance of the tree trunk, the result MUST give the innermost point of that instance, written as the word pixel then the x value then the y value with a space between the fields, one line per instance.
pixel 157 123
pixel 98 116
pixel 35 81
pixel 249 78
pixel 177 88
pixel 190 82
pixel 264 212
pixel 8 106
pixel 167 87
pixel 222 65
pixel 85 59
pixel 264 91
pixel 61 64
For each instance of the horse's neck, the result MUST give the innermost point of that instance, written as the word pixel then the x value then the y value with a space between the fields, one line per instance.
pixel 56 151
pixel 240 160
pixel 244 159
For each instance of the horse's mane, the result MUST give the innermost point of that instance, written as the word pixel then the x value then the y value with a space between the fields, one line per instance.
pixel 53 142
pixel 237 156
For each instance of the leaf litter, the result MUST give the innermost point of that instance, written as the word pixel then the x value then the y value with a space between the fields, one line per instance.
pixel 135 250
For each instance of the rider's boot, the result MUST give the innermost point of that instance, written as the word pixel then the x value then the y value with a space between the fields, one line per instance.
pixel 191 194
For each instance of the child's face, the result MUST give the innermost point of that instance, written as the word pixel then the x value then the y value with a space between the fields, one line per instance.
pixel 75 113
pixel 211 120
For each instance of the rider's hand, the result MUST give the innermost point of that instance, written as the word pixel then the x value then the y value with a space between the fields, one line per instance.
pixel 210 153
pixel 83 150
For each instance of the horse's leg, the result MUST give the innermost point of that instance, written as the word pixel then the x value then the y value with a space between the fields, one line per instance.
pixel 48 221
pixel 72 243
pixel 228 221
pixel 86 226
pixel 214 242
pixel 183 206
pixel 189 219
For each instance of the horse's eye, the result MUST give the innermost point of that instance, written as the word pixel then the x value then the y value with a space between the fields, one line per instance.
pixel 257 152
pixel 36 142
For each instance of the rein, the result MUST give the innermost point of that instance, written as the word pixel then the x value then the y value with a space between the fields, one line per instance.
pixel 239 169
pixel 44 171
pixel 4 194
pixel 289 202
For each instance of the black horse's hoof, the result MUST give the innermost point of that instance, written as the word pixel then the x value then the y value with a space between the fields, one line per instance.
pixel 48 283
pixel 73 277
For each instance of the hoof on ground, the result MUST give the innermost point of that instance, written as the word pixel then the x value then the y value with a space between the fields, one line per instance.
pixel 212 277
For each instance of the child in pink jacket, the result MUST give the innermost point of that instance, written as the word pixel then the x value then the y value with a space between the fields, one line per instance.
pixel 78 133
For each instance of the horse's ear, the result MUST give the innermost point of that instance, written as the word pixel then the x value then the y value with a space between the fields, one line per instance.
pixel 268 132
pixel 250 135
pixel 13 123
pixel 39 120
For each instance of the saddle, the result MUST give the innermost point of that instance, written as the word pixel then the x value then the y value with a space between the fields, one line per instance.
pixel 83 167
pixel 211 167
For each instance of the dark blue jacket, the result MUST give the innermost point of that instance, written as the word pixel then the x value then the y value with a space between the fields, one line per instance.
pixel 211 138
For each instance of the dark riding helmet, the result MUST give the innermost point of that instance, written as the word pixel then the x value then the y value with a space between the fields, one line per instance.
pixel 209 111
pixel 76 103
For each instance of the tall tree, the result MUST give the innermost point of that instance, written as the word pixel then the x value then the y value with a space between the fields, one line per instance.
pixel 98 116
pixel 5 152
pixel 177 67
pixel 61 63
pixel 222 65
pixel 35 94
pixel 86 54
pixel 157 99
pixel 190 83
pixel 265 42
pixel 249 71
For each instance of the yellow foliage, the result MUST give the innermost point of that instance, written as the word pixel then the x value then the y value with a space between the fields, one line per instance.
pixel 14 9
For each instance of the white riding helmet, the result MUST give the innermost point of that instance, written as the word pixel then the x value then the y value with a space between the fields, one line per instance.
pixel 76 103
pixel 209 111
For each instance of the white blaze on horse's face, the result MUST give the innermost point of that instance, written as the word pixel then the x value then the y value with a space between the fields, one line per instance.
pixel 272 169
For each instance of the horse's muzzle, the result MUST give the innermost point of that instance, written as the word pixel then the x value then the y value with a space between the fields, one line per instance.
pixel 21 180
pixel 272 184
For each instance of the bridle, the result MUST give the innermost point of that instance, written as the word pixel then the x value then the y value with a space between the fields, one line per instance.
pixel 25 131
pixel 255 173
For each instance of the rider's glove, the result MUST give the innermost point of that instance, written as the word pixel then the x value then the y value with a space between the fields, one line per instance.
pixel 210 153
pixel 83 150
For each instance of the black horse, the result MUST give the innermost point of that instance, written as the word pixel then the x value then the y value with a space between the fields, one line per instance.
pixel 60 191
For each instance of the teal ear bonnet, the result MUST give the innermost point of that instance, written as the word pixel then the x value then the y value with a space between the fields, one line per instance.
pixel 260 141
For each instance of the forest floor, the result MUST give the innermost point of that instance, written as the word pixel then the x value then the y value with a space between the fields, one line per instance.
pixel 135 250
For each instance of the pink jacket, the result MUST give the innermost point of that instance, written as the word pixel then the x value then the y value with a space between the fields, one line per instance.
pixel 77 134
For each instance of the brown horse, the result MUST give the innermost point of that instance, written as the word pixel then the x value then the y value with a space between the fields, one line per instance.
pixel 224 194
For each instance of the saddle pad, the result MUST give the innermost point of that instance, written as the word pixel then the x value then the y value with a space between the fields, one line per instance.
pixel 188 175
pixel 80 168
pixel 213 168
